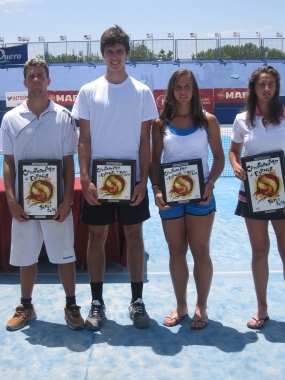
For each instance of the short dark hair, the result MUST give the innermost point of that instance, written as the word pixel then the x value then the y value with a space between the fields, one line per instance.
pixel 113 36
pixel 36 62
pixel 275 106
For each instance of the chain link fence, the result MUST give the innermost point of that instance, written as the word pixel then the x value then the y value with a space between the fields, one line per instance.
pixel 159 50
pixel 240 48
pixel 197 49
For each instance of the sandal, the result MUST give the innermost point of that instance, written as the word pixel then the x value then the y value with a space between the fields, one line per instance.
pixel 173 320
pixel 199 321
pixel 254 327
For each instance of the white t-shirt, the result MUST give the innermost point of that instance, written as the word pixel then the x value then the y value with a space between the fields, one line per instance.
pixel 26 137
pixel 115 112
pixel 258 139
pixel 179 147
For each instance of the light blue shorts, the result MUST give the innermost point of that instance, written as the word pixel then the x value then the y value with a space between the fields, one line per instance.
pixel 179 210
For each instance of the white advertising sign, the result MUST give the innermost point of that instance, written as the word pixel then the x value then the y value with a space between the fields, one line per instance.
pixel 14 99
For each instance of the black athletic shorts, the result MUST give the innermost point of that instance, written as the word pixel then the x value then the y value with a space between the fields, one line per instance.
pixel 104 214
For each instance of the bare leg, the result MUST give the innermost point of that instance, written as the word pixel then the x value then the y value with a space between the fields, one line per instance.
pixel 96 252
pixel 67 276
pixel 279 228
pixel 176 237
pixel 134 238
pixel 259 240
pixel 199 230
pixel 28 276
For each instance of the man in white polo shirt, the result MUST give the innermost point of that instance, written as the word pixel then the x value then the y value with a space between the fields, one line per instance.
pixel 40 129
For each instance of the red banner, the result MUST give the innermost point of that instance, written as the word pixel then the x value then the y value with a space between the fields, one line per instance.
pixel 206 95
pixel 159 96
pixel 230 95
pixel 221 95
pixel 64 98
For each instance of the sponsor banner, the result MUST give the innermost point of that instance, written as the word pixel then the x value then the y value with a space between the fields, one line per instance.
pixel 14 99
pixel 15 55
pixel 159 96
pixel 64 98
pixel 206 95
pixel 230 95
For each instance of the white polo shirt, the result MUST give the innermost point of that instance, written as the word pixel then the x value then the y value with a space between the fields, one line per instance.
pixel 258 139
pixel 51 136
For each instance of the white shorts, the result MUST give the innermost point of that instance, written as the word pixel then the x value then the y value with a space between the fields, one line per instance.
pixel 28 237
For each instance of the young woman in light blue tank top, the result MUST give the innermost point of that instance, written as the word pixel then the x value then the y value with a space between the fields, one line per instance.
pixel 183 132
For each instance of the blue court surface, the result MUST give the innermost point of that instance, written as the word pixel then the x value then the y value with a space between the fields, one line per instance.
pixel 226 349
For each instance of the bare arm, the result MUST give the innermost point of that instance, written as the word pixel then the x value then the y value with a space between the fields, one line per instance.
pixel 157 146
pixel 144 156
pixel 9 181
pixel 214 137
pixel 84 154
pixel 235 156
pixel 68 177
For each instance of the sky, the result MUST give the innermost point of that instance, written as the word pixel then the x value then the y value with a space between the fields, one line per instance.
pixel 73 18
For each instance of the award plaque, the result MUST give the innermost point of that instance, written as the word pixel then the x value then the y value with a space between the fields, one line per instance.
pixel 264 184
pixel 114 179
pixel 40 187
pixel 182 182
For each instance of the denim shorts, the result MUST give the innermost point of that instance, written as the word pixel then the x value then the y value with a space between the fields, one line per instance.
pixel 179 210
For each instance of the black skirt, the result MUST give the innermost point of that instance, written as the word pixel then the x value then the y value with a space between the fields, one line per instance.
pixel 242 210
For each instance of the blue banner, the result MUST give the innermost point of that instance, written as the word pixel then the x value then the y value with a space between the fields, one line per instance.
pixel 15 55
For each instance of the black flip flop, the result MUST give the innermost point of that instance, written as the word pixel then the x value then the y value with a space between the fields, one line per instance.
pixel 201 320
pixel 253 327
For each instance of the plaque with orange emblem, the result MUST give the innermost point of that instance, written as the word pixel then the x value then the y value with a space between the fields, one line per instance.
pixel 40 187
pixel 182 181
pixel 114 180
pixel 264 184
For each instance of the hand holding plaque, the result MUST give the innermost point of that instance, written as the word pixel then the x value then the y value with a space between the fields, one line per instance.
pixel 40 187
pixel 182 181
pixel 114 180
pixel 264 184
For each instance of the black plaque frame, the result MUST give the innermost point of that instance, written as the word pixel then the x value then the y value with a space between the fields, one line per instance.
pixel 41 180
pixel 188 168
pixel 102 170
pixel 268 197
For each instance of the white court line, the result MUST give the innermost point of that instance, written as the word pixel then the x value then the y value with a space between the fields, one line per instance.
pixel 146 273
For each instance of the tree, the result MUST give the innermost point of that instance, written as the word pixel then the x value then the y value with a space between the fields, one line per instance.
pixel 142 53
pixel 273 53
pixel 165 57
pixel 72 58
pixel 246 51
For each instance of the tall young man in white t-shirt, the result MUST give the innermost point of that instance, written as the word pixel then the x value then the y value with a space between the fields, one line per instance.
pixel 115 113
pixel 40 129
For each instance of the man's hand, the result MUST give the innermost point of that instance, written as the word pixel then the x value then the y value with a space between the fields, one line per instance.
pixel 17 212
pixel 138 195
pixel 62 212
pixel 90 193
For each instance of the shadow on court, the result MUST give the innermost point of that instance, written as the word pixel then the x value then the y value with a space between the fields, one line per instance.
pixel 159 338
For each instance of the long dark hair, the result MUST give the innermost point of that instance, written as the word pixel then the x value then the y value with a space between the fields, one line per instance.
pixel 275 107
pixel 170 103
